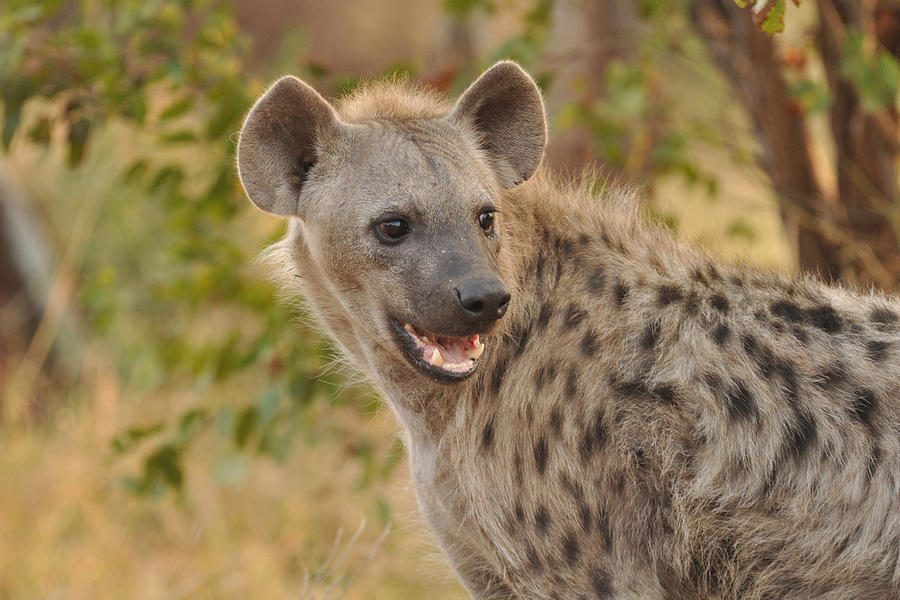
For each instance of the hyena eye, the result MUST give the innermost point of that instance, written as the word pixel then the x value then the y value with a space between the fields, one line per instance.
pixel 486 219
pixel 392 230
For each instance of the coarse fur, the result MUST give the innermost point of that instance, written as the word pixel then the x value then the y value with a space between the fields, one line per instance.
pixel 644 422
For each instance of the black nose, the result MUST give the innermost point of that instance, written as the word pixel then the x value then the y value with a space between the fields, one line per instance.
pixel 482 300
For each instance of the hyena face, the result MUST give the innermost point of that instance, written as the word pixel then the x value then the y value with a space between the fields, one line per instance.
pixel 401 216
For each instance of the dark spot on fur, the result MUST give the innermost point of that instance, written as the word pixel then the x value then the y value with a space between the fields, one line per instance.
pixel 825 318
pixel 497 377
pixel 739 401
pixel 550 372
pixel 517 467
pixel 651 335
pixel 571 486
pixel 571 549
pixel 556 421
pixel 602 584
pixel 668 294
pixel 594 436
pixel 787 310
pixel 541 518
pixel 720 334
pixel 761 355
pixel 800 333
pixel 603 528
pixel 540 455
pixel 832 376
pixel 539 378
pixel 720 303
pixel 534 561
pixel 596 281
pixel 863 405
pixel 713 272
pixel 522 335
pixel 519 512
pixel 785 370
pixel 697 275
pixel 574 316
pixel 584 511
pixel 545 315
pixel 801 434
pixel 487 434
pixel 883 317
pixel 666 393
pixel 878 350
pixel 590 344
pixel 572 384
pixel 633 388
pixel 600 431
pixel 639 458
pixel 620 291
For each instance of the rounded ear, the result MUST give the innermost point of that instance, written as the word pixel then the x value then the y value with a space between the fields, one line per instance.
pixel 504 106
pixel 279 141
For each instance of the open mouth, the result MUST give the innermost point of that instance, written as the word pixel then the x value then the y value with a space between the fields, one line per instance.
pixel 443 357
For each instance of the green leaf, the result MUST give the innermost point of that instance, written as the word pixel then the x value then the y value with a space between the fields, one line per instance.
pixel 739 228
pixel 178 137
pixel 77 138
pixel 244 426
pixel 176 109
pixel 129 438
pixel 774 18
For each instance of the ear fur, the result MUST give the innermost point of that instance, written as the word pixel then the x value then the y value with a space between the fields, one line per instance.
pixel 279 141
pixel 504 106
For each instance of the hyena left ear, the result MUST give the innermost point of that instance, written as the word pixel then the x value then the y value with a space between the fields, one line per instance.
pixel 279 144
pixel 504 106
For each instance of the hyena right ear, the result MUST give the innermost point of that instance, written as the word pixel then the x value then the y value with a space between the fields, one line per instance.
pixel 504 106
pixel 279 141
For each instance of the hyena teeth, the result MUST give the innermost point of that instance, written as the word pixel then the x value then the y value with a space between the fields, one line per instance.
pixel 476 352
pixel 436 358
pixel 409 329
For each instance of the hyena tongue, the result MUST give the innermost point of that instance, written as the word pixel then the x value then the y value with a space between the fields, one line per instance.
pixel 452 352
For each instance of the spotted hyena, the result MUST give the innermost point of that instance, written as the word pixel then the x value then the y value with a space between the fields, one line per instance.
pixel 591 410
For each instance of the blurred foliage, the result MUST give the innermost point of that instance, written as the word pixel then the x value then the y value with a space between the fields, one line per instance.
pixel 174 295
pixel 162 294
pixel 874 72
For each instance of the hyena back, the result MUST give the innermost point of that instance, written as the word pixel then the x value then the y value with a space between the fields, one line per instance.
pixel 590 409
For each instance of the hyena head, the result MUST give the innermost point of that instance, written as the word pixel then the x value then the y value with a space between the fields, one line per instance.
pixel 399 211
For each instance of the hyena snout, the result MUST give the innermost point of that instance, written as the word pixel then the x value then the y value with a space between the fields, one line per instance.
pixel 481 300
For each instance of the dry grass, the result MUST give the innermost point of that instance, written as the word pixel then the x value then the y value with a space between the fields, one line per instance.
pixel 69 529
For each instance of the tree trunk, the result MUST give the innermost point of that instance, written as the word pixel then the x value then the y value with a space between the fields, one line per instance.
pixel 853 236
pixel 747 57
pixel 587 34
pixel 865 143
